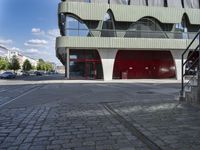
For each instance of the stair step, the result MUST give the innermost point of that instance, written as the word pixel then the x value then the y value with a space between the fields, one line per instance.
pixel 192 95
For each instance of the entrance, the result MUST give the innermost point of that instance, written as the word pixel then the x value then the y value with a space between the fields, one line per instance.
pixel 85 65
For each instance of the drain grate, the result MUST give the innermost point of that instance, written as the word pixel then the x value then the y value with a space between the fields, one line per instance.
pixel 145 92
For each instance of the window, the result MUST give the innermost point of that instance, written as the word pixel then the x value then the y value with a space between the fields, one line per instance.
pixel 76 28
pixel 108 29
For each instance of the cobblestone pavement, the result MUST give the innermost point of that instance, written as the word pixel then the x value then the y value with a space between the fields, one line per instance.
pixel 64 126
pixel 98 116
pixel 168 124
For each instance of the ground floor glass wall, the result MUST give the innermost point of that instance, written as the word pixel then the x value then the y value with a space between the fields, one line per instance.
pixel 144 65
pixel 85 64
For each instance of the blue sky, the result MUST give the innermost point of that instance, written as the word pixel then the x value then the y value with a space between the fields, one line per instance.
pixel 30 26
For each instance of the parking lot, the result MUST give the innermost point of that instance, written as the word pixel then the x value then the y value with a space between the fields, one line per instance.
pixel 48 112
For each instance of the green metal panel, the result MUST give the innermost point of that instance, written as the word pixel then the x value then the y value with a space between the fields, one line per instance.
pixel 86 11
pixel 193 15
pixel 131 13
pixel 121 43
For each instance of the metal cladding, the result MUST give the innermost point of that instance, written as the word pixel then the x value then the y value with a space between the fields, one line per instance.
pixel 138 2
pixel 99 1
pixel 125 2
pixel 74 0
pixel 174 3
pixel 156 3
pixel 191 3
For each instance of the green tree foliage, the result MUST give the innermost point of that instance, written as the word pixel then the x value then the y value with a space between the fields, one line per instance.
pixel 27 65
pixel 40 65
pixel 14 64
pixel 44 66
pixel 4 64
pixel 48 67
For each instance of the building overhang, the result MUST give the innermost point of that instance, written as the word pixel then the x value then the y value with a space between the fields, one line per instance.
pixel 128 13
pixel 122 43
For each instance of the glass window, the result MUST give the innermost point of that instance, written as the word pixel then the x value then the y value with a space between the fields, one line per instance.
pixel 75 27
pixel 147 28
pixel 108 28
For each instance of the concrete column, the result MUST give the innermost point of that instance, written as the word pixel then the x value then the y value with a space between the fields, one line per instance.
pixel 108 60
pixel 68 63
pixel 177 54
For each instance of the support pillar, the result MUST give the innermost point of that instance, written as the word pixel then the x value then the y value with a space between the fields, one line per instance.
pixel 108 60
pixel 67 64
pixel 198 94
pixel 178 62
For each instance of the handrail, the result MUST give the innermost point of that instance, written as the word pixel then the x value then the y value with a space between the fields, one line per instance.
pixel 127 33
pixel 188 58
pixel 188 83
pixel 194 63
pixel 191 43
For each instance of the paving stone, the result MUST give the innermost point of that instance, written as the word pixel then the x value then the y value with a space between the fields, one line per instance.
pixel 88 125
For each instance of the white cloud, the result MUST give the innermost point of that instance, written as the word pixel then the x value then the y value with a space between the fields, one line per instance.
pixel 15 49
pixel 6 42
pixel 36 43
pixel 32 50
pixel 54 32
pixel 37 31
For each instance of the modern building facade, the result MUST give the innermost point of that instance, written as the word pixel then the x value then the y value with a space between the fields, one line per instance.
pixel 125 39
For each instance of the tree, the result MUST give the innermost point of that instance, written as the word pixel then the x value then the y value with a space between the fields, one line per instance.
pixel 14 64
pixel 41 64
pixel 4 64
pixel 45 66
pixel 26 65
pixel 48 66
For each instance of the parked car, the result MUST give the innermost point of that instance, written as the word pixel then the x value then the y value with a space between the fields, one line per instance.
pixel 7 75
pixel 38 73
pixel 25 74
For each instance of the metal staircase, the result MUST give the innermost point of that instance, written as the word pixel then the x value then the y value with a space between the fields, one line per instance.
pixel 190 87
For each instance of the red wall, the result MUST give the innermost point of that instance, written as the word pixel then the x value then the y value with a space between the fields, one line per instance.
pixel 144 64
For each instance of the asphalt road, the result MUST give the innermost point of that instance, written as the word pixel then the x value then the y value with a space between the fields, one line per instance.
pixel 49 112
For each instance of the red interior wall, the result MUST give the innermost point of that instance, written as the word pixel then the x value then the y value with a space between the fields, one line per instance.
pixel 144 64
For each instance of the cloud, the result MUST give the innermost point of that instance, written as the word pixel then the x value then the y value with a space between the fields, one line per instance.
pixel 6 42
pixel 36 43
pixel 35 51
pixel 54 32
pixel 15 49
pixel 37 31
pixel 32 50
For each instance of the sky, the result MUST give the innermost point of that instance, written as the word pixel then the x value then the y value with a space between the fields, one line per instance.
pixel 30 26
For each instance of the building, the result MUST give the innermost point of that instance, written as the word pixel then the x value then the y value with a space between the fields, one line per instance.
pixel 21 58
pixel 6 53
pixel 60 69
pixel 3 52
pixel 125 39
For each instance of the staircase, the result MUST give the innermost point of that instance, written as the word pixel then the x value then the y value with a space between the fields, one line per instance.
pixel 190 87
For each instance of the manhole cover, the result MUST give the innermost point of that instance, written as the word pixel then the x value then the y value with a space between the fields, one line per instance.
pixel 145 92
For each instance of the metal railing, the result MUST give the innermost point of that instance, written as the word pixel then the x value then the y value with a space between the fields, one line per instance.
pixel 193 68
pixel 130 33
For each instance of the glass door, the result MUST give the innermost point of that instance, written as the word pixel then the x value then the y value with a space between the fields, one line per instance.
pixel 91 71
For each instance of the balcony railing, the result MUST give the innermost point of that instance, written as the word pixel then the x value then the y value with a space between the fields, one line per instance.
pixel 129 33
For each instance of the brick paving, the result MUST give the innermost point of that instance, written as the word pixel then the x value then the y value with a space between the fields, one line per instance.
pixel 74 117
pixel 64 126
pixel 169 124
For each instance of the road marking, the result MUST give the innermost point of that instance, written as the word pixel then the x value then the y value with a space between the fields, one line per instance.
pixel 29 91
